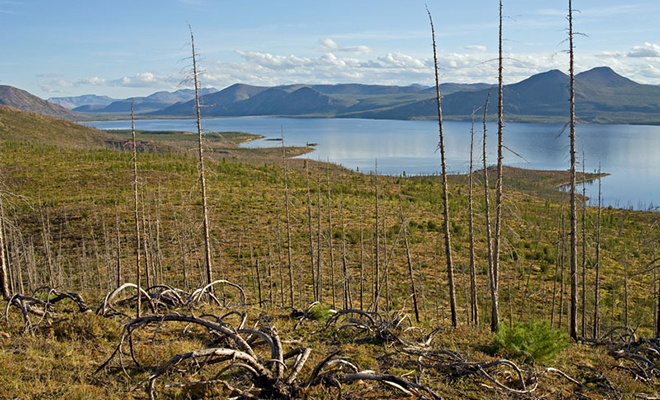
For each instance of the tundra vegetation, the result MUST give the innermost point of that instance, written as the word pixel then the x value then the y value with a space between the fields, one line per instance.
pixel 324 282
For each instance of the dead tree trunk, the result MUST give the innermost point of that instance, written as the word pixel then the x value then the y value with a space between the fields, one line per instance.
pixel 584 249
pixel 348 302
pixel 145 245
pixel 574 299
pixel 362 263
pixel 4 278
pixel 136 216
pixel 319 244
pixel 404 225
pixel 311 238
pixel 596 330
pixel 554 285
pixel 202 180
pixel 445 194
pixel 279 260
pixel 474 308
pixel 500 159
pixel 330 246
pixel 288 224
pixel 494 294
pixel 376 275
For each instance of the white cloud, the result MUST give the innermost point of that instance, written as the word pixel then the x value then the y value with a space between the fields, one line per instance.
pixel 647 50
pixel 53 83
pixel 146 80
pixel 399 60
pixel 330 46
pixel 395 68
pixel 475 47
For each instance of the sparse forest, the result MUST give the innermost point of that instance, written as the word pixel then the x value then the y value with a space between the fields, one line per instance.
pixel 142 264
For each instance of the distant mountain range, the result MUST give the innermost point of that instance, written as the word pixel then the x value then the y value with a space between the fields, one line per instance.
pixel 84 100
pixel 602 96
pixel 141 105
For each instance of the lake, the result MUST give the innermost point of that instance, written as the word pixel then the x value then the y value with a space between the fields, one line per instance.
pixel 630 153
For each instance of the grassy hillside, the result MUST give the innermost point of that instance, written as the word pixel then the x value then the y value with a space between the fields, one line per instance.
pixel 22 100
pixel 16 125
pixel 64 203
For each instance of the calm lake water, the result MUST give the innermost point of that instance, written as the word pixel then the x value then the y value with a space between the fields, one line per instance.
pixel 631 154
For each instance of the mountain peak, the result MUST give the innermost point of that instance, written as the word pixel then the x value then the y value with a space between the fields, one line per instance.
pixel 604 76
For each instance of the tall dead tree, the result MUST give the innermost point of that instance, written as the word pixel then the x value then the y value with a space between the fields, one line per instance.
pixel 118 249
pixel 413 291
pixel 4 278
pixel 474 308
pixel 135 215
pixel 330 246
pixel 319 242
pixel 376 274
pixel 348 302
pixel 202 180
pixel 596 330
pixel 574 299
pixel 584 248
pixel 288 222
pixel 445 194
pixel 311 238
pixel 500 158
pixel 494 294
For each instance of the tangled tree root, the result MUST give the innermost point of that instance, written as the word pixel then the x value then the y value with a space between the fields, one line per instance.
pixel 163 297
pixel 275 375
pixel 518 381
pixel 640 357
pixel 41 304
pixel 358 325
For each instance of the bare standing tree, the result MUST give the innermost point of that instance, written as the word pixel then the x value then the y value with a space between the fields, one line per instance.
pixel 135 215
pixel 596 331
pixel 500 158
pixel 474 309
pixel 574 299
pixel 288 221
pixel 4 280
pixel 311 237
pixel 584 248
pixel 494 294
pixel 202 180
pixel 445 194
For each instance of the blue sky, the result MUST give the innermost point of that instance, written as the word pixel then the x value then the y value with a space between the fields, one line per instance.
pixel 125 48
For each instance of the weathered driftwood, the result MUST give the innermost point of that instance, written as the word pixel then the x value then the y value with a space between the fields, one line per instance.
pixel 275 375
pixel 167 296
pixel 198 296
pixel 41 307
pixel 637 355
pixel 54 296
pixel 354 323
pixel 108 306
pixel 520 381
pixel 217 328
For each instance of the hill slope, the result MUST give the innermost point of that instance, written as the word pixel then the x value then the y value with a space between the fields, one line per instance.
pixel 22 100
pixel 17 125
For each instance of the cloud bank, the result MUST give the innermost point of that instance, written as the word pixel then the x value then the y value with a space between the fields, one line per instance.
pixel 338 64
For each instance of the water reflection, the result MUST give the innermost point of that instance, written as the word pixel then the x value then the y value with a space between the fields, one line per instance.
pixel 629 153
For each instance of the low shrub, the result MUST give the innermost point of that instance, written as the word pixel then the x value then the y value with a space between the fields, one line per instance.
pixel 534 341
